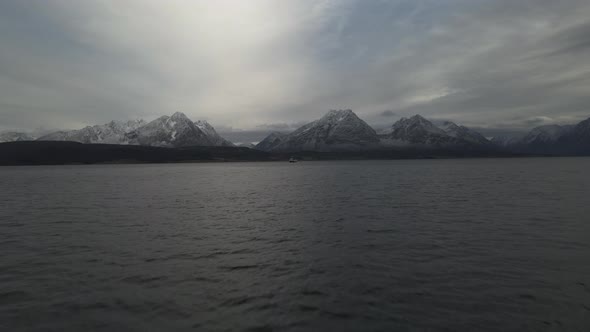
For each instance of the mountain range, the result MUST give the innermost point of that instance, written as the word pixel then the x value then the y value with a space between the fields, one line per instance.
pixel 418 132
pixel 336 131
pixel 13 136
pixel 114 132
pixel 342 130
pixel 550 139
pixel 176 131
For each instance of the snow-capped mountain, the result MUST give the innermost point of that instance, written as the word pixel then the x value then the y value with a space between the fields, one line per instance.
pixel 464 133
pixel 13 136
pixel 344 131
pixel 545 134
pixel 170 131
pixel 416 131
pixel 573 140
pixel 537 140
pixel 212 133
pixel 552 139
pixel 338 130
pixel 271 141
pixel 114 132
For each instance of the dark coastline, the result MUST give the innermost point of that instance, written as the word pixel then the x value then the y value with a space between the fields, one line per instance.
pixel 68 153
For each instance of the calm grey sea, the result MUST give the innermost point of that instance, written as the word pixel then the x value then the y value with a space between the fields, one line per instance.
pixel 449 245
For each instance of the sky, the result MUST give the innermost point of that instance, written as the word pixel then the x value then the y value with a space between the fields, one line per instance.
pixel 253 66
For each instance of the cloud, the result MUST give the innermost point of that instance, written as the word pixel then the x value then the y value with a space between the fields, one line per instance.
pixel 256 65
pixel 539 120
pixel 388 113
pixel 275 126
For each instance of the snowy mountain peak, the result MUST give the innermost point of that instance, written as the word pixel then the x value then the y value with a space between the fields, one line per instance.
pixel 415 129
pixel 419 119
pixel 337 130
pixel 179 116
pixel 419 131
pixel 338 115
pixel 464 133
pixel 170 131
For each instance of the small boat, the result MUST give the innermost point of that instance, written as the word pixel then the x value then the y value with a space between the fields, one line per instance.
pixel 293 160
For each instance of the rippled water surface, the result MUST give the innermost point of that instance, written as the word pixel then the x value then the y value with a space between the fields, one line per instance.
pixel 453 245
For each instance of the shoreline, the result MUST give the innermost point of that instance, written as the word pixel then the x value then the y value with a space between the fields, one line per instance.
pixel 31 153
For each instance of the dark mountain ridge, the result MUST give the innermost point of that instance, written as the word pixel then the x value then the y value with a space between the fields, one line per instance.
pixel 338 131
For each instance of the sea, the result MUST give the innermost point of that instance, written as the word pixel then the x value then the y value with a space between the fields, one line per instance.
pixel 401 245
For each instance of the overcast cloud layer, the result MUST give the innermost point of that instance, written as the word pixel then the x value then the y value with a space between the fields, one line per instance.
pixel 259 65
